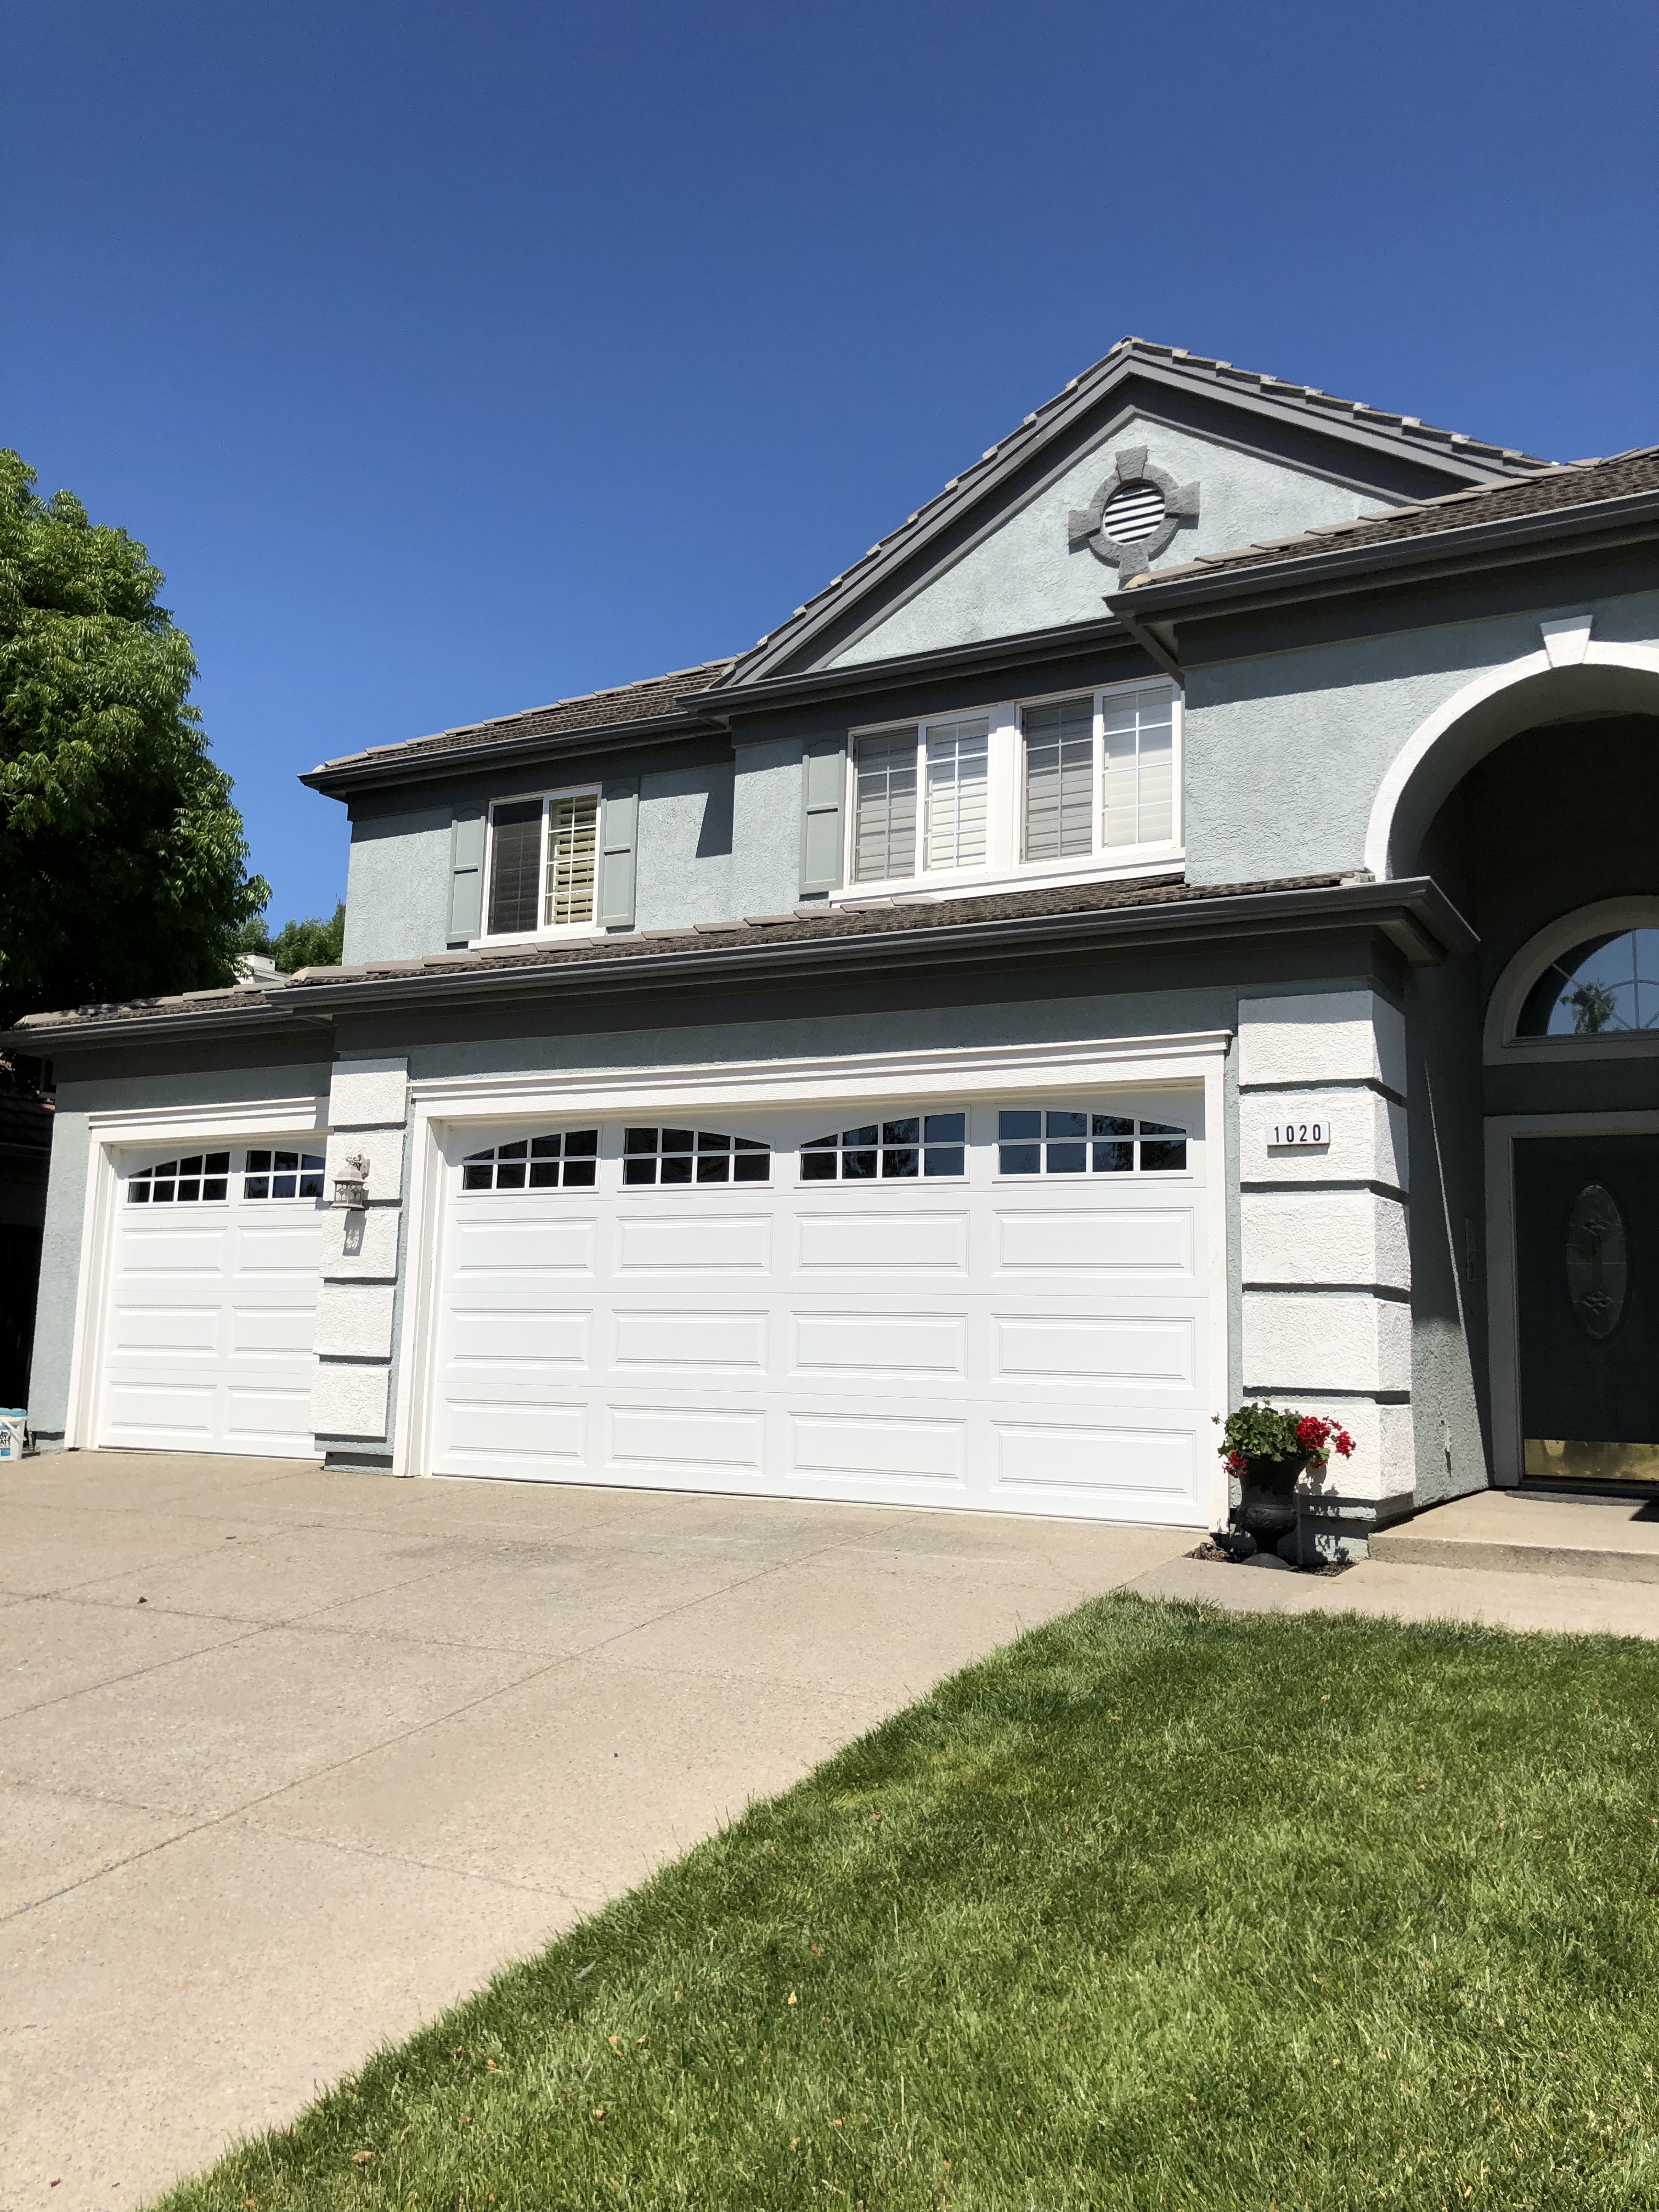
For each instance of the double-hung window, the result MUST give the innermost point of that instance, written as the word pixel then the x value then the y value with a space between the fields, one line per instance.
pixel 1099 773
pixel 921 799
pixel 543 856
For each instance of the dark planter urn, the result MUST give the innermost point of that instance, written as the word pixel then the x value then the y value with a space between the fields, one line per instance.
pixel 1267 1504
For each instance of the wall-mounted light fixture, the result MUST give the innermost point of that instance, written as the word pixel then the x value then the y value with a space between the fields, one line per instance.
pixel 351 1189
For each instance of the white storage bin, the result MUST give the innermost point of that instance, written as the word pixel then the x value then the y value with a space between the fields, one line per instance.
pixel 13 1429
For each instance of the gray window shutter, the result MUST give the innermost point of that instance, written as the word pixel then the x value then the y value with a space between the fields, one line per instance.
pixel 466 855
pixel 619 838
pixel 823 800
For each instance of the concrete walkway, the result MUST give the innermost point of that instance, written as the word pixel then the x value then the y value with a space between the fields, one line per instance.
pixel 293 1760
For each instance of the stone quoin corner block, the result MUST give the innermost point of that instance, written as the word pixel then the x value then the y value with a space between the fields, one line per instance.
pixel 367 1094
pixel 1365 1140
pixel 383 1149
pixel 1354 1238
pixel 1312 1340
pixel 349 1400
pixel 354 1320
pixel 360 1244
pixel 1382 1465
pixel 1323 1036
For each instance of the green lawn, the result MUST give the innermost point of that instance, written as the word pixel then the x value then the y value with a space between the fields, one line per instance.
pixel 1157 1908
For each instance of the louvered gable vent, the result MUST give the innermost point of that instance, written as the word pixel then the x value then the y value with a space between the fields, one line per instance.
pixel 1132 514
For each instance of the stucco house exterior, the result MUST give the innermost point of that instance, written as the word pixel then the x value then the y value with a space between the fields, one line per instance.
pixel 1176 921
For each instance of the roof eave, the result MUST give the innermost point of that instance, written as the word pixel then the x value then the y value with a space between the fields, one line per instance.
pixel 336 779
pixel 1413 914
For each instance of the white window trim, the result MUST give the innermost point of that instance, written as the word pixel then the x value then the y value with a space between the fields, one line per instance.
pixel 552 933
pixel 1500 1047
pixel 1004 866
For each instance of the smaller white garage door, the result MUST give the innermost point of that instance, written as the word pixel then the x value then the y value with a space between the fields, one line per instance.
pixel 1000 1306
pixel 206 1343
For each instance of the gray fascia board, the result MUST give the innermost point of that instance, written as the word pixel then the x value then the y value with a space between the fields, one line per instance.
pixel 1095 385
pixel 1507 540
pixel 337 778
pixel 1414 913
pixel 904 670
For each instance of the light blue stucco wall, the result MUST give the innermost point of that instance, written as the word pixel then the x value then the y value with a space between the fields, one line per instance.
pixel 1027 574
pixel 684 870
pixel 1284 754
pixel 66 1196
pixel 397 886
pixel 766 829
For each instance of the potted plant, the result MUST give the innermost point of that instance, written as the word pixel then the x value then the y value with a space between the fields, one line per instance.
pixel 1269 1448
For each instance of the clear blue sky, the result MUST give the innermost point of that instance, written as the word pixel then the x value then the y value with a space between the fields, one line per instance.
pixel 452 357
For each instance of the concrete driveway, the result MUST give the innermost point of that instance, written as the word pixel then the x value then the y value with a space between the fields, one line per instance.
pixel 295 1760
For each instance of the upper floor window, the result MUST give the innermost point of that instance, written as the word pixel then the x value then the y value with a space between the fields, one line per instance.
pixel 1606 986
pixel 1055 785
pixel 543 862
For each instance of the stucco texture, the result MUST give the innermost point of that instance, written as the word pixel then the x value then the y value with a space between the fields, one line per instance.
pixel 1027 575
pixel 397 886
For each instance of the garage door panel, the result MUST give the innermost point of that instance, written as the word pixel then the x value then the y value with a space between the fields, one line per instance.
pixel 665 1338
pixel 1094 1460
pixel 874 1241
pixel 688 1439
pixel 505 1339
pixel 1108 1348
pixel 1098 1242
pixel 673 1243
pixel 164 1332
pixel 277 1251
pixel 163 1415
pixel 266 1420
pixel 864 1343
pixel 192 1249
pixel 514 1247
pixel 268 1331
pixel 525 1435
pixel 841 1445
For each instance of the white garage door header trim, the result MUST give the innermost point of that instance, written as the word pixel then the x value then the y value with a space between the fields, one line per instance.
pixel 446 1106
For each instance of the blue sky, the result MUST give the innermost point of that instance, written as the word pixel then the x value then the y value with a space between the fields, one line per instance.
pixel 453 355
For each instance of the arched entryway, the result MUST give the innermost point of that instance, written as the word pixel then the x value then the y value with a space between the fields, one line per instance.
pixel 1534 1071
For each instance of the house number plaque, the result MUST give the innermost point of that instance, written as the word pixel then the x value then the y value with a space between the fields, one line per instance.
pixel 1298 1136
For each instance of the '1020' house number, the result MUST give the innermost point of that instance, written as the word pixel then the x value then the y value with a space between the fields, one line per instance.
pixel 1287 1134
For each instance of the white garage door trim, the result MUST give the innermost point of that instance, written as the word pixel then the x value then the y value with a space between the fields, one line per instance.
pixel 445 1109
pixel 110 1134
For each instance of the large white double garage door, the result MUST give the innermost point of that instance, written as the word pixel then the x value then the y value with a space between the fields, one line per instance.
pixel 1000 1306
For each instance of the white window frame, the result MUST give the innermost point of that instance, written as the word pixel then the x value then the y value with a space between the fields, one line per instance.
pixel 550 932
pixel 1005 865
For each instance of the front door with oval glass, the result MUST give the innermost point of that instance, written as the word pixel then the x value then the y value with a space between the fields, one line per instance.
pixel 1587 1259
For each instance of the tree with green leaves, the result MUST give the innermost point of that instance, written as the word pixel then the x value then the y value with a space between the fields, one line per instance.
pixel 122 861
pixel 312 943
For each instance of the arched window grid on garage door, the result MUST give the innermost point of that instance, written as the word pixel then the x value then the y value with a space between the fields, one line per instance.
pixel 895 1149
pixel 692 1156
pixel 1068 1140
pixel 563 1159
pixel 274 1174
pixel 203 1179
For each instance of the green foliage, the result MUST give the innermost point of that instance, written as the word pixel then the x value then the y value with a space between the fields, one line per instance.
pixel 1260 1432
pixel 1159 1910
pixel 312 943
pixel 122 862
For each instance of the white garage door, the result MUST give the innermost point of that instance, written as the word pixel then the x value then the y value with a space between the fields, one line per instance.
pixel 212 1300
pixel 994 1306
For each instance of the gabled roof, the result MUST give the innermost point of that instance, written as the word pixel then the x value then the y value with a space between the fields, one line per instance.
pixel 1353 419
pixel 1560 491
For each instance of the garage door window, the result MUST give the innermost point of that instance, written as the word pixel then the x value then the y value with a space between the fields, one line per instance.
pixel 283 1175
pixel 1073 1142
pixel 203 1179
pixel 681 1155
pixel 567 1160
pixel 908 1144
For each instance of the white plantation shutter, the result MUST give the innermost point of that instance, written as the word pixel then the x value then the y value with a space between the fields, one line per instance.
pixel 573 837
pixel 1137 787
pixel 885 829
pixel 958 758
pixel 1059 779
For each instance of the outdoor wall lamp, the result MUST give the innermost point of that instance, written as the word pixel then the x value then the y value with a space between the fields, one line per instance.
pixel 351 1189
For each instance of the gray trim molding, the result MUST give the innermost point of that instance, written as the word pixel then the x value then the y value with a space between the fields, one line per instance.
pixel 1129 467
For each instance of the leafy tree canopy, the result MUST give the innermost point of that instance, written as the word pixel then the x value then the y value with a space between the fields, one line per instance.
pixel 122 862
pixel 312 943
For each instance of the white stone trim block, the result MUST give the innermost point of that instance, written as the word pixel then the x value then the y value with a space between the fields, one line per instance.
pixel 348 1401
pixel 360 1247
pixel 1308 1341
pixel 1367 1140
pixel 1352 1236
pixel 354 1320
pixel 364 1094
pixel 1382 1465
pixel 1323 1036
pixel 384 1150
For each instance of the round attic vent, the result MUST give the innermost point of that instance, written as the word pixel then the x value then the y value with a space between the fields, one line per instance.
pixel 1132 514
